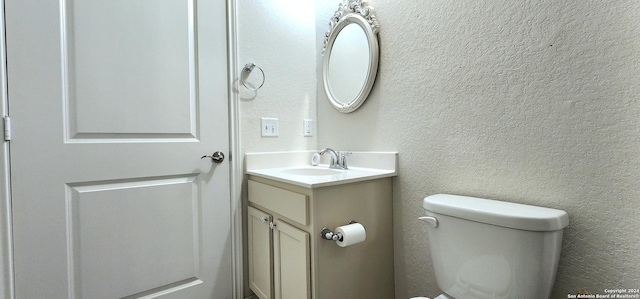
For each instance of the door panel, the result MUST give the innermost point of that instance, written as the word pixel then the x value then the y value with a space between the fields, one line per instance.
pixel 260 253
pixel 128 68
pixel 292 262
pixel 141 234
pixel 113 103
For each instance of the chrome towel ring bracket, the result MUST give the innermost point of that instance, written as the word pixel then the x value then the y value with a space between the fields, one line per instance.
pixel 244 75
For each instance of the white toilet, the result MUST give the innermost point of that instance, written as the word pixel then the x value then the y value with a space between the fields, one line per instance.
pixel 485 248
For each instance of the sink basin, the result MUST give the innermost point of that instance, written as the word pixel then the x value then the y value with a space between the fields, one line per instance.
pixel 319 176
pixel 312 171
pixel 293 168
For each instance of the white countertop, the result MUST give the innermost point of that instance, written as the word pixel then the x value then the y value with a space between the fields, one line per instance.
pixel 291 168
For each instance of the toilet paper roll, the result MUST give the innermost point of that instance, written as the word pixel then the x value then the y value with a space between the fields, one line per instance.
pixel 351 234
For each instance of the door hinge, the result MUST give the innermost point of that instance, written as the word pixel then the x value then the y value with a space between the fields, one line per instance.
pixel 7 128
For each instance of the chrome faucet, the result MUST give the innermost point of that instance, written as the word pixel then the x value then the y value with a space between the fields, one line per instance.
pixel 338 159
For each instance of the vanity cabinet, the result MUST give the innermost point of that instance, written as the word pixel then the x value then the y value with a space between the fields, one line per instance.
pixel 287 257
pixel 279 248
pixel 279 253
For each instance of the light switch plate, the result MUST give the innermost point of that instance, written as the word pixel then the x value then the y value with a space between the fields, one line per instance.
pixel 307 127
pixel 269 127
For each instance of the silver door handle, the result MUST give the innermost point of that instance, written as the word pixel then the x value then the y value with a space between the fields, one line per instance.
pixel 216 157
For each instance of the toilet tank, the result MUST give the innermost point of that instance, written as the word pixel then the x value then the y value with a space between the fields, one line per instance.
pixel 484 248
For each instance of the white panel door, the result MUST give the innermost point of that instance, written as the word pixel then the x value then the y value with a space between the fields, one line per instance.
pixel 113 103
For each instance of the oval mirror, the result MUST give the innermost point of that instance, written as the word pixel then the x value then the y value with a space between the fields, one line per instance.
pixel 350 62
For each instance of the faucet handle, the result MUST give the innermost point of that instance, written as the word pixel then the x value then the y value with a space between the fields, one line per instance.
pixel 315 159
pixel 342 162
pixel 345 153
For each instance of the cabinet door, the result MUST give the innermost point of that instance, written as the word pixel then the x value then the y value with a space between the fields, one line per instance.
pixel 292 268
pixel 260 261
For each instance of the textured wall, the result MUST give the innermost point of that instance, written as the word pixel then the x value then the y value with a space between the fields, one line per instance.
pixel 534 102
pixel 279 37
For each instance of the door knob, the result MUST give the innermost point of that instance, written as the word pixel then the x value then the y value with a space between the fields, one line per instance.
pixel 216 157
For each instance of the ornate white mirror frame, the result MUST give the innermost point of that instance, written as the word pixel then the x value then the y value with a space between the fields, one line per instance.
pixel 359 13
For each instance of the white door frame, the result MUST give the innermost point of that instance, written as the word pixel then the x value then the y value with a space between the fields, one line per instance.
pixel 236 173
pixel 6 246
pixel 236 168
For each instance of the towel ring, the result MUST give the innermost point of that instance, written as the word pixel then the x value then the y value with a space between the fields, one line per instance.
pixel 248 68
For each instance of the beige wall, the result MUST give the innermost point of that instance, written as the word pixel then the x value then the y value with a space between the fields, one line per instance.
pixel 279 37
pixel 534 102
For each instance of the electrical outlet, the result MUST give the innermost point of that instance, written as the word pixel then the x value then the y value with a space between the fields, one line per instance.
pixel 307 127
pixel 269 127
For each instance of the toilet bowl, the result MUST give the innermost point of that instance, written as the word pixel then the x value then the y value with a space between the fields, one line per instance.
pixel 489 249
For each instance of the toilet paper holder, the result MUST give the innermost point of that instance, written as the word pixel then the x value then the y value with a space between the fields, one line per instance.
pixel 328 234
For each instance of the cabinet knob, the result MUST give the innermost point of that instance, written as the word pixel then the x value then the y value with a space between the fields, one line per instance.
pixel 264 219
pixel 272 225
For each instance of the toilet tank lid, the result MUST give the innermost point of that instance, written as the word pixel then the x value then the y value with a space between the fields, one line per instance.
pixel 500 213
